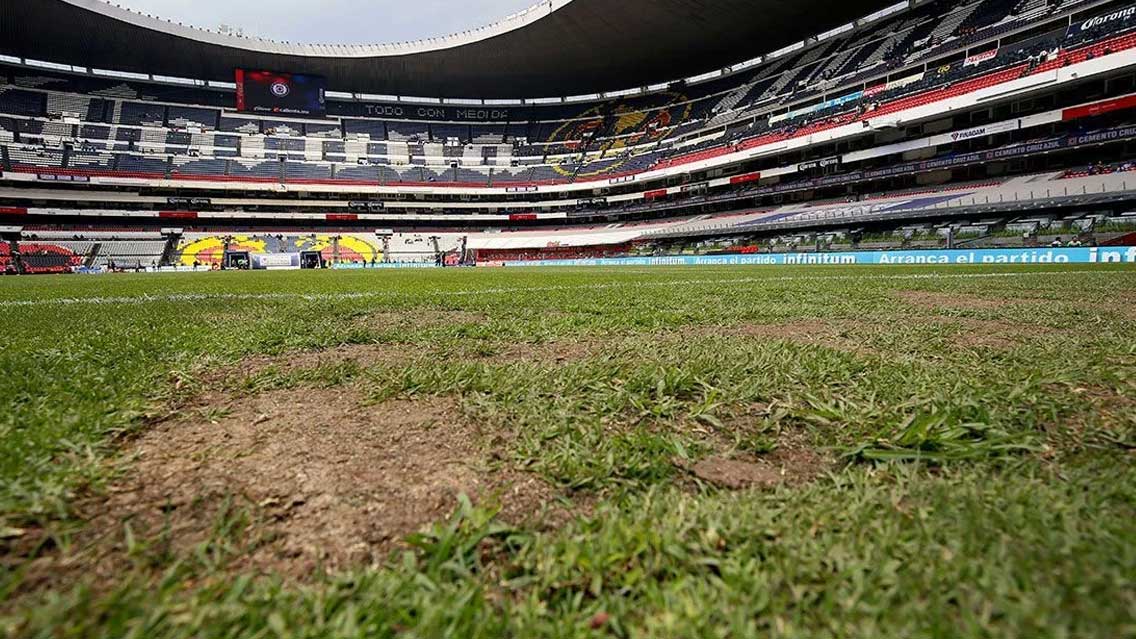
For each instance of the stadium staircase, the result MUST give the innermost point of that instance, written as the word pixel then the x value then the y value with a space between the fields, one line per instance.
pixel 777 72
pixel 951 22
pixel 988 13
pixel 93 255
pixel 823 60
pixel 855 62
pixel 881 51
pixel 13 250
pixel 251 147
pixel 787 83
pixel 921 32
pixel 413 150
pixel 313 150
pixel 827 73
pixel 723 110
pixel 576 171
pixel 354 149
pixel 1127 239
pixel 1029 9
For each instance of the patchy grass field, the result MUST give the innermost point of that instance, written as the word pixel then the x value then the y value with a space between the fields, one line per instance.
pixel 810 452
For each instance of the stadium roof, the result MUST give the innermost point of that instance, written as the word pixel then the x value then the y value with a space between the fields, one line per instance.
pixel 556 48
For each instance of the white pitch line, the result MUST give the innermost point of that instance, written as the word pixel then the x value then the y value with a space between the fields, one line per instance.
pixel 331 297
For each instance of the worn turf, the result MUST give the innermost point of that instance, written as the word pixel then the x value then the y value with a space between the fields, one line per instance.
pixel 808 452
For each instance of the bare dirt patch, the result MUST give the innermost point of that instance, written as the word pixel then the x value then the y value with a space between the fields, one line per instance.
pixel 856 336
pixel 402 354
pixel 782 466
pixel 804 329
pixel 417 319
pixel 301 481
pixel 792 460
pixel 1109 420
pixel 1125 308
pixel 361 354
pixel 977 333
pixel 845 335
pixel 934 300
pixel 735 474
pixel 556 351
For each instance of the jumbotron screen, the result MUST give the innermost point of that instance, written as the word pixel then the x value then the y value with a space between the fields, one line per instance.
pixel 281 93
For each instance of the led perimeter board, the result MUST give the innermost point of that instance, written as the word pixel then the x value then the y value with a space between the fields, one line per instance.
pixel 280 93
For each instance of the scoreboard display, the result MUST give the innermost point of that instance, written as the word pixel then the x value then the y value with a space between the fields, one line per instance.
pixel 280 93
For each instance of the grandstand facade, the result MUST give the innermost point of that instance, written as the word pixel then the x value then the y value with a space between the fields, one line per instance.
pixel 923 123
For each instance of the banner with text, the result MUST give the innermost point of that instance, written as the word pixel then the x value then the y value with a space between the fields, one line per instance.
pixel 1092 255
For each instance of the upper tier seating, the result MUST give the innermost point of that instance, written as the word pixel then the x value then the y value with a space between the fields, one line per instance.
pixel 130 129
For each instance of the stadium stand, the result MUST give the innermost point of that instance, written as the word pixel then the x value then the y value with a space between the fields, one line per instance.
pixel 627 116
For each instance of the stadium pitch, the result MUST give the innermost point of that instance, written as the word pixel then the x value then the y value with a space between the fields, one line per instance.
pixel 672 452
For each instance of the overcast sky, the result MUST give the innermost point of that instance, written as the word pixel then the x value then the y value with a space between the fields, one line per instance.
pixel 334 21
